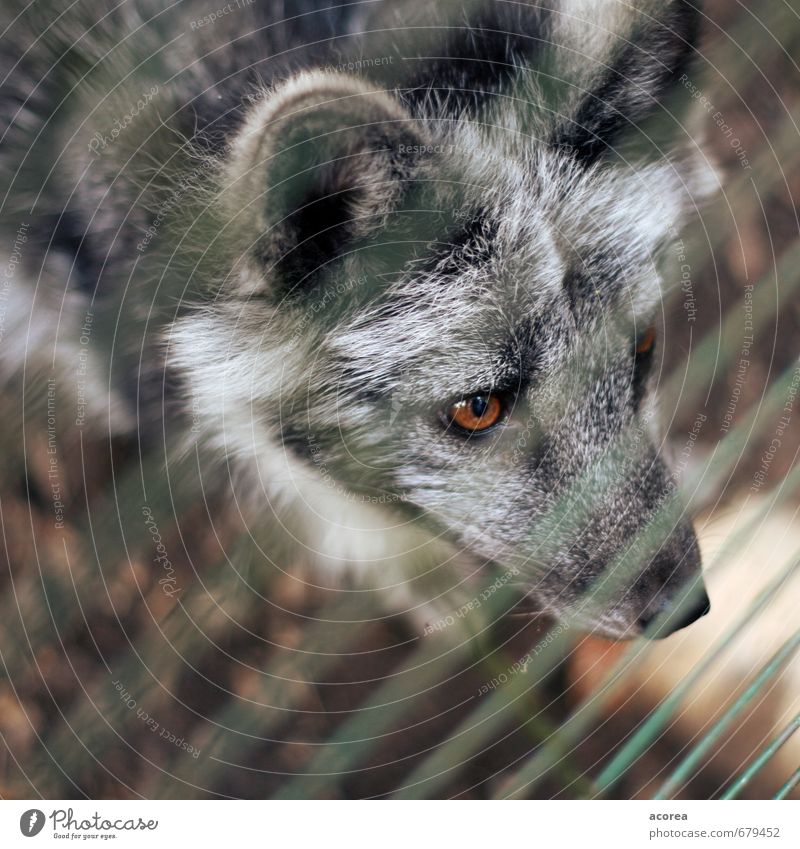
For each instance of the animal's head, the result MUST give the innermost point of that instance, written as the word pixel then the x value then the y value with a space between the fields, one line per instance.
pixel 458 311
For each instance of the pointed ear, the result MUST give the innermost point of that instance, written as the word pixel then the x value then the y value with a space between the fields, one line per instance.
pixel 635 86
pixel 323 161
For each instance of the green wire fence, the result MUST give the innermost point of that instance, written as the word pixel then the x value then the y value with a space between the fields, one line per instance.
pixel 281 696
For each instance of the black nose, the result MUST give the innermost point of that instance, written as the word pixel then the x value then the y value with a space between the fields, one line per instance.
pixel 673 619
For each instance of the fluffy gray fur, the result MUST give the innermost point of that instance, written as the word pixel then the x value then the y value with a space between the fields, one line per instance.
pixel 325 226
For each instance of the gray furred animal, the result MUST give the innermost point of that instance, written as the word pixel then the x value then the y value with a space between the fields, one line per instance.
pixel 400 265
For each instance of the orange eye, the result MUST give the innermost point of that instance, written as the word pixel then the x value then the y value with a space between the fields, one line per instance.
pixel 476 414
pixel 644 344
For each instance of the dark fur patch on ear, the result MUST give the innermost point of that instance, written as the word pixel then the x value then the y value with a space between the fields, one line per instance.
pixel 333 206
pixel 337 159
pixel 456 53
pixel 319 226
pixel 642 73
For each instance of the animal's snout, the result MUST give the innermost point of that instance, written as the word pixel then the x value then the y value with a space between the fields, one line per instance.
pixel 671 617
pixel 671 590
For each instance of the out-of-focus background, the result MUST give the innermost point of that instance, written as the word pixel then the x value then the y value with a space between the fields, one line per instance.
pixel 247 680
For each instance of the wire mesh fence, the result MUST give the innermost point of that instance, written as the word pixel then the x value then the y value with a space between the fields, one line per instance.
pixel 162 639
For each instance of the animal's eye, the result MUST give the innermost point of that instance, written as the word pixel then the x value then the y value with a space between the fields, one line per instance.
pixel 646 341
pixel 476 413
pixel 643 361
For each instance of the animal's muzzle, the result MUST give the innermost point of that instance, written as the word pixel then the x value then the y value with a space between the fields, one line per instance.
pixel 671 617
